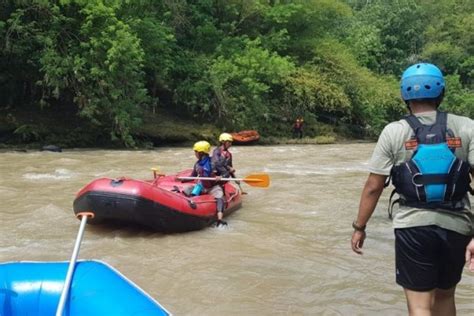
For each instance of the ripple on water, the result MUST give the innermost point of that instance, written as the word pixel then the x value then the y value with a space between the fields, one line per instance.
pixel 316 170
pixel 64 161
pixel 106 173
pixel 8 192
pixel 58 174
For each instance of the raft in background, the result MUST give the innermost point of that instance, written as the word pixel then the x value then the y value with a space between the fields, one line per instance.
pixel 245 137
pixel 97 289
pixel 158 204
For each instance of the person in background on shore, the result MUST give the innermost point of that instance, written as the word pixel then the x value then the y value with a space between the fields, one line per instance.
pixel 433 225
pixel 203 168
pixel 298 128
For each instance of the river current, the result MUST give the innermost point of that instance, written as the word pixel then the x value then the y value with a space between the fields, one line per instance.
pixel 285 252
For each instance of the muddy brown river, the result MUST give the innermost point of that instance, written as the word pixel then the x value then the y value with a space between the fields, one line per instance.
pixel 285 252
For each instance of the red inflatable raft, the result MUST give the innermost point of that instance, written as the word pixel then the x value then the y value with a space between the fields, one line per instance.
pixel 158 203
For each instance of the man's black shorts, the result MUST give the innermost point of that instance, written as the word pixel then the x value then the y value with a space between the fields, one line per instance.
pixel 429 257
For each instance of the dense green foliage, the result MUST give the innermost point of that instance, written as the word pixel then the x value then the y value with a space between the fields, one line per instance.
pixel 240 64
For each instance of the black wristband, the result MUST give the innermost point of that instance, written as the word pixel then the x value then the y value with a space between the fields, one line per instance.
pixel 358 228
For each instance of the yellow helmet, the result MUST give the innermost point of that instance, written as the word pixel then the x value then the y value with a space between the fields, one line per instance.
pixel 202 147
pixel 225 137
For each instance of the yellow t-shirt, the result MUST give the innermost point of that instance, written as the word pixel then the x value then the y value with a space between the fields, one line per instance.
pixel 390 151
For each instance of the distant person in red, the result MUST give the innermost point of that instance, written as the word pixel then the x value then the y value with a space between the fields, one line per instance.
pixel 298 128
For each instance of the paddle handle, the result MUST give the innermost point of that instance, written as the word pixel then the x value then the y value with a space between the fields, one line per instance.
pixel 238 183
pixel 72 263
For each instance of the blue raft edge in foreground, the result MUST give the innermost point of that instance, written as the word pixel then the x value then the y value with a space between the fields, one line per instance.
pixel 34 288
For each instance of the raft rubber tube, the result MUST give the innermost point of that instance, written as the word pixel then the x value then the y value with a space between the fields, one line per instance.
pixel 34 288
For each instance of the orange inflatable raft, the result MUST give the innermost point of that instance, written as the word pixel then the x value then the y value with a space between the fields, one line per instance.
pixel 245 137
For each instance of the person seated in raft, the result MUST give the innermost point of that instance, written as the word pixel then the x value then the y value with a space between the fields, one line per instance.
pixel 222 157
pixel 203 168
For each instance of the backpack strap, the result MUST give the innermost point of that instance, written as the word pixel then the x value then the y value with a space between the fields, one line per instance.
pixel 429 134
pixel 442 119
pixel 414 123
pixel 391 204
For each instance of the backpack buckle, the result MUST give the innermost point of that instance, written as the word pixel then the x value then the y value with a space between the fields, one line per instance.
pixel 413 180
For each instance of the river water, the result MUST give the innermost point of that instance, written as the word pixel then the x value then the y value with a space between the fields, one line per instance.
pixel 285 252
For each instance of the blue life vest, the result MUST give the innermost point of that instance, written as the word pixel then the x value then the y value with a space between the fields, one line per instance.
pixel 203 168
pixel 434 177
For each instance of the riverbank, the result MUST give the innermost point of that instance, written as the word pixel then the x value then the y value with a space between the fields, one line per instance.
pixel 32 129
pixel 270 141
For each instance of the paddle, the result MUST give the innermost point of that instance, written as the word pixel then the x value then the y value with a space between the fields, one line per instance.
pixel 72 264
pixel 261 180
pixel 157 173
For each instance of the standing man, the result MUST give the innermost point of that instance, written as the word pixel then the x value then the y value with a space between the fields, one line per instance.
pixel 429 155
pixel 298 128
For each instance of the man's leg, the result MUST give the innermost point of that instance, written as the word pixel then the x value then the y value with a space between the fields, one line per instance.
pixel 420 303
pixel 220 208
pixel 444 302
pixel 429 257
pixel 218 194
pixel 416 267
pixel 436 302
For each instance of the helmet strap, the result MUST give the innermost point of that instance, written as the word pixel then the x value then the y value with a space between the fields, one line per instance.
pixel 440 99
pixel 407 103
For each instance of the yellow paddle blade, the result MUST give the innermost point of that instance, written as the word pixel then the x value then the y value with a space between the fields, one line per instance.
pixel 257 180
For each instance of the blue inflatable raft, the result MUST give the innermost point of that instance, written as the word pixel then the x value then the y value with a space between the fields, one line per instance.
pixel 34 288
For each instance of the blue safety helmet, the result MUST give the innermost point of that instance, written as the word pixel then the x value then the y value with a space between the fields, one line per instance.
pixel 422 81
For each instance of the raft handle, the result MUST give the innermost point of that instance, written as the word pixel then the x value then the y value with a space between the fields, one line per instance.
pixel 116 182
pixel 192 204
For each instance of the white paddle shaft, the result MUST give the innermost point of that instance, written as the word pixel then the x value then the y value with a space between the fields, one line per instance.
pixel 72 265
pixel 210 178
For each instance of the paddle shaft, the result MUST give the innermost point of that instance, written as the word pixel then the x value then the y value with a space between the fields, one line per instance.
pixel 261 180
pixel 72 265
pixel 221 179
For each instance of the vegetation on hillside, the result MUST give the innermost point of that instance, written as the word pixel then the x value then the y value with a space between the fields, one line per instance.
pixel 234 64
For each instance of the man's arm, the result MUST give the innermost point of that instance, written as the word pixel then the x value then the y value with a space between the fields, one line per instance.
pixel 368 201
pixel 193 174
pixel 470 246
pixel 470 255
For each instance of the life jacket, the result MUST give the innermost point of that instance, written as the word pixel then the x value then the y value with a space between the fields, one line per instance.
pixel 227 155
pixel 298 124
pixel 222 160
pixel 203 168
pixel 434 177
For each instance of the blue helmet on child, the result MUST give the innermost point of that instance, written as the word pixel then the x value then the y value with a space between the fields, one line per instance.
pixel 422 81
